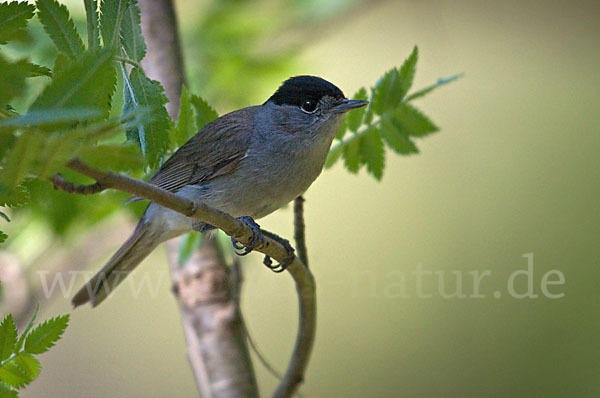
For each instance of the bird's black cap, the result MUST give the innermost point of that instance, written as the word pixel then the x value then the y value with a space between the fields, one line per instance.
pixel 296 90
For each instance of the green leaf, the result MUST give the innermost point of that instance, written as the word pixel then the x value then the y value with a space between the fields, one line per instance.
pixel 333 155
pixel 28 364
pixel 61 63
pixel 88 82
pixel 204 112
pixel 3 237
pixel 8 337
pixel 57 150
pixel 13 20
pixel 354 118
pixel 396 139
pixel 3 215
pixel 372 153
pixel 13 196
pixel 21 159
pixel 186 125
pixel 131 33
pixel 13 375
pixel 393 86
pixel 154 136
pixel 6 392
pixel 51 117
pixel 351 154
pixel 115 157
pixel 58 24
pixel 35 70
pixel 188 245
pixel 12 79
pixel 93 30
pixel 111 15
pixel 439 83
pixel 412 122
pixel 27 329
pixel 46 334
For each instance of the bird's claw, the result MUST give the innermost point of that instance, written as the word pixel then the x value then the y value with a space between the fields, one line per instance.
pixel 280 267
pixel 257 237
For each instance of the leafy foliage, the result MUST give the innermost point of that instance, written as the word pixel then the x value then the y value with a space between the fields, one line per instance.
pixel 18 365
pixel 111 15
pixel 388 119
pixel 59 26
pixel 13 20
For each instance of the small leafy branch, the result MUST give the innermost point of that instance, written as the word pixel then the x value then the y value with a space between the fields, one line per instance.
pixel 390 118
pixel 18 364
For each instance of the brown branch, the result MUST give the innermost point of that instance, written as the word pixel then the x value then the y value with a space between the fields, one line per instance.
pixel 305 285
pixel 299 230
pixel 60 183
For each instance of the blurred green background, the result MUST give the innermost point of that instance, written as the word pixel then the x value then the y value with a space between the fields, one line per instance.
pixel 514 170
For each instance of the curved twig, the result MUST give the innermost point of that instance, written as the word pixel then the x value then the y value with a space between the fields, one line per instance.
pixel 305 284
pixel 299 230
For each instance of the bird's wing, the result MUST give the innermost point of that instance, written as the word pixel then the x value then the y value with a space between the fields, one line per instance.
pixel 214 151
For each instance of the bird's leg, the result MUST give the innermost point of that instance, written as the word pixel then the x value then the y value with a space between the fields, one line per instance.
pixel 257 237
pixel 288 247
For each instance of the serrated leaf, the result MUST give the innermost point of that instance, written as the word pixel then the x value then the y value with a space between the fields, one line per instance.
pixel 8 337
pixel 27 329
pixel 6 392
pixel 131 33
pixel 155 133
pixel 12 79
pixel 46 334
pixel 21 159
pixel 112 157
pixel 204 112
pixel 186 124
pixel 396 139
pixel 58 24
pixel 188 245
pixel 13 196
pixel 3 237
pixel 412 122
pixel 111 15
pixel 372 152
pixel 13 20
pixel 12 375
pixel 93 28
pixel 51 117
pixel 88 82
pixel 354 119
pixel 28 364
pixel 34 70
pixel 351 154
pixel 393 86
pixel 333 155
pixel 440 82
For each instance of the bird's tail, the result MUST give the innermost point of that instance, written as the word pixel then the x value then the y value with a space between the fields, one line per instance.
pixel 133 251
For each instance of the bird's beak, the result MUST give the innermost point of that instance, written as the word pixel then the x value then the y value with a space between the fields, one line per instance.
pixel 347 105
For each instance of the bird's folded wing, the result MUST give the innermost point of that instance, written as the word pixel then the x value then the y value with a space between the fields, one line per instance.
pixel 214 151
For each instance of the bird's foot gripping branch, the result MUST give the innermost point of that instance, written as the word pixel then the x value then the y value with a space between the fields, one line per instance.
pixel 273 247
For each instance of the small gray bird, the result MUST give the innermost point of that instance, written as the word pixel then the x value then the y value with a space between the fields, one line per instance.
pixel 247 163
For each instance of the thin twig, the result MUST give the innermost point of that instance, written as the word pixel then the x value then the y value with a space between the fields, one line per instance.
pixel 70 187
pixel 305 284
pixel 299 230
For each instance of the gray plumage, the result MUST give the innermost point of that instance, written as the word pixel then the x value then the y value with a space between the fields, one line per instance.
pixel 249 162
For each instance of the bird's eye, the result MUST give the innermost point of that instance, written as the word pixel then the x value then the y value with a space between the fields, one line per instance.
pixel 309 106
